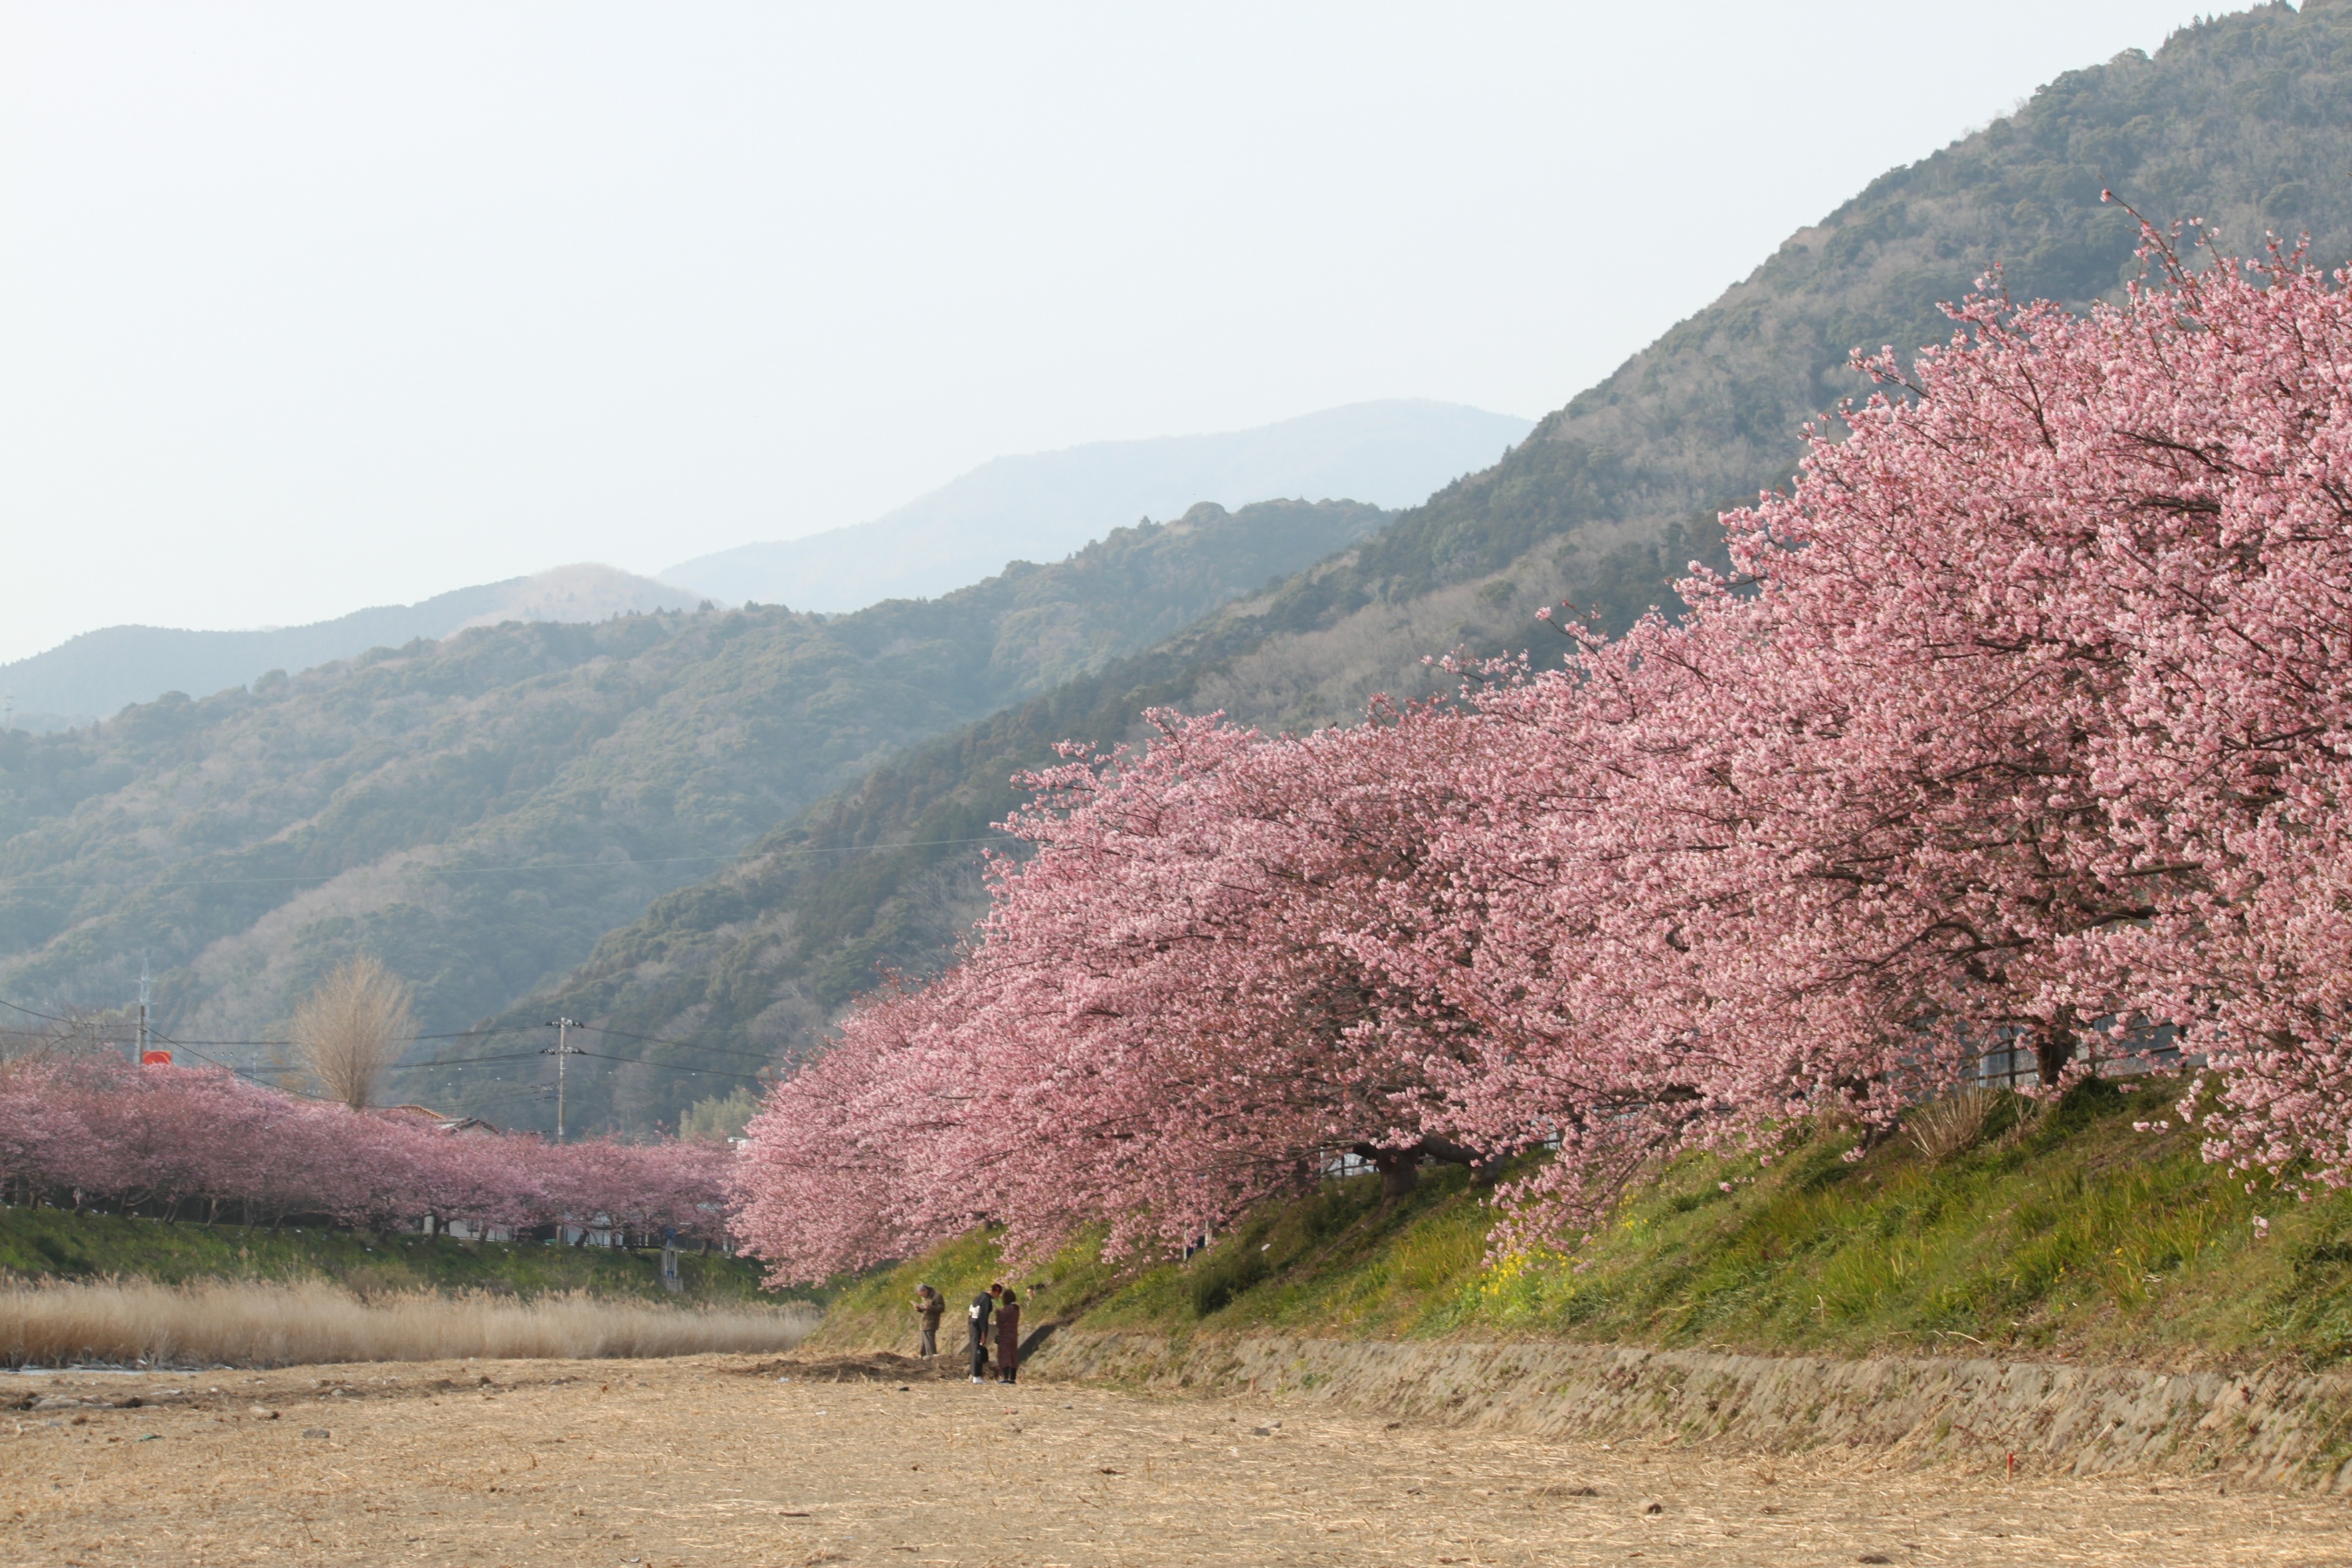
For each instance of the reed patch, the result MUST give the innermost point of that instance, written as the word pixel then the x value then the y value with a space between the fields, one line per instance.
pixel 251 1324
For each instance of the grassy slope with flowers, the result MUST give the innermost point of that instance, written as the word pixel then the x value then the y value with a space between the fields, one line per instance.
pixel 2068 1234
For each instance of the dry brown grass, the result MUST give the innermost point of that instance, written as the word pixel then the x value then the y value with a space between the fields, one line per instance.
pixel 282 1325
pixel 1953 1125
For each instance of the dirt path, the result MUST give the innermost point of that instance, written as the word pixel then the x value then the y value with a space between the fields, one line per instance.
pixel 713 1460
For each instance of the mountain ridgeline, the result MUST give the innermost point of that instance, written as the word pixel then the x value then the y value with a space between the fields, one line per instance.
pixel 706 832
pixel 477 812
pixel 1043 505
pixel 99 673
pixel 2245 120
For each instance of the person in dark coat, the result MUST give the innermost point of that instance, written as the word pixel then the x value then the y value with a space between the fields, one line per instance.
pixel 1008 1338
pixel 930 1308
pixel 976 1318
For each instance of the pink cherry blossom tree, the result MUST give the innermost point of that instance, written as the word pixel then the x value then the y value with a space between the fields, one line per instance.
pixel 2020 725
pixel 203 1142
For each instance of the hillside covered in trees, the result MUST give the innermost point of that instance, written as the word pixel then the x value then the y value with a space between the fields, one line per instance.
pixel 477 812
pixel 715 829
pixel 2245 121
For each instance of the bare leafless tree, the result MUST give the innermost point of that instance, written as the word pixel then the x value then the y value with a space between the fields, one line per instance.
pixel 352 1028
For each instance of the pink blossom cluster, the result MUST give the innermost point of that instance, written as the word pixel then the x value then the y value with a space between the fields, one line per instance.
pixel 201 1142
pixel 2024 722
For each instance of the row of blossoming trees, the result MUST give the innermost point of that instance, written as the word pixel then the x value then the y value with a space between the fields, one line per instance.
pixel 201 1142
pixel 2024 723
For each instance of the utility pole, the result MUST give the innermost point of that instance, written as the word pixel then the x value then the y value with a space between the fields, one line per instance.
pixel 142 1009
pixel 560 1050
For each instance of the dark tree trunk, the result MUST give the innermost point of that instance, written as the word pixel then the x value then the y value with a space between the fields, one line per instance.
pixel 1399 1168
pixel 2054 1047
pixel 1483 1168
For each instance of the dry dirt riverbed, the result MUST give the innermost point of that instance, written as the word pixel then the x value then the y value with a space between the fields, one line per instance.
pixel 713 1461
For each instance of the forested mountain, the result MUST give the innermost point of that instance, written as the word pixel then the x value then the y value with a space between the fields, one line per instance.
pixel 1043 505
pixel 476 812
pixel 95 674
pixel 2245 120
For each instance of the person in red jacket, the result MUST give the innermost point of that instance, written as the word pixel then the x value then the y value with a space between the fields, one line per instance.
pixel 1008 1337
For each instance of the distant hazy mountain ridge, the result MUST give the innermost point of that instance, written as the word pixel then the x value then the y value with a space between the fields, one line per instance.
pixel 476 812
pixel 517 820
pixel 1038 508
pixel 98 673
pixel 1043 506
pixel 2245 120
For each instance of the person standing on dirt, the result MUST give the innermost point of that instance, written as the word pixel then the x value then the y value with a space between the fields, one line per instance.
pixel 976 1317
pixel 1008 1338
pixel 930 1308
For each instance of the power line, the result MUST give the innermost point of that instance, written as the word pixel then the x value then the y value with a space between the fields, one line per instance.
pixel 537 1093
pixel 28 885
pixel 591 1028
pixel 665 1067
pixel 247 1074
pixel 50 1017
pixel 541 1096
pixel 53 1018
pixel 460 1035
pixel 240 1042
pixel 190 1046
pixel 690 1044
pixel 469 1061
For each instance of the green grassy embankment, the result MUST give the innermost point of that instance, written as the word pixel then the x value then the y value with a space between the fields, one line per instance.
pixel 2065 1233
pixel 56 1243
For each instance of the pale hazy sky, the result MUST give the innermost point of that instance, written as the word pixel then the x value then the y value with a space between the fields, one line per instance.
pixel 305 306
